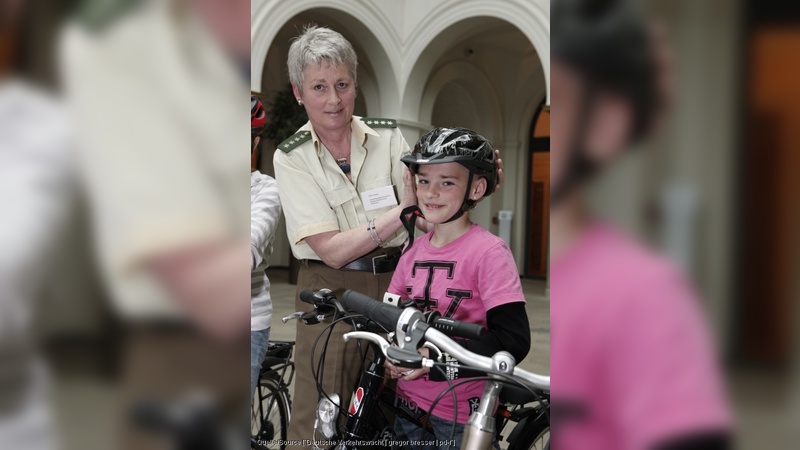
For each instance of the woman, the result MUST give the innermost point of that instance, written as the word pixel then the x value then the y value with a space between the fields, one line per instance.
pixel 342 241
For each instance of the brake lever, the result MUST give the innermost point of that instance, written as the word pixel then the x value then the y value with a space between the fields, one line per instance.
pixel 292 316
pixel 432 346
pixel 372 337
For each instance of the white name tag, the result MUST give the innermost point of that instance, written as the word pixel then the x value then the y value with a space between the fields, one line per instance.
pixel 378 198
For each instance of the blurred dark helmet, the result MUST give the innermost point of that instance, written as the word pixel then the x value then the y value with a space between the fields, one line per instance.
pixel 459 145
pixel 610 43
pixel 258 117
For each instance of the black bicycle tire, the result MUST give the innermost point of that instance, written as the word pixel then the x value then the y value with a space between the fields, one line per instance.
pixel 283 403
pixel 530 435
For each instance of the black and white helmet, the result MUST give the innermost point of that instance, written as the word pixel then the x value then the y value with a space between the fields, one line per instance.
pixel 460 145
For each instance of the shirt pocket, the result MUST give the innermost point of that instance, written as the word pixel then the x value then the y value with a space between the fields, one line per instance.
pixel 342 204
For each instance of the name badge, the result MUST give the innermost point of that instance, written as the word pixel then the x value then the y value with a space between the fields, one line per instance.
pixel 378 198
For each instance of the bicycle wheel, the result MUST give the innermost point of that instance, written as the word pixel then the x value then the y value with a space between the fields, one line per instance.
pixel 270 418
pixel 536 436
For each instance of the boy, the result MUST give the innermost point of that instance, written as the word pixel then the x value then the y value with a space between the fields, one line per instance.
pixel 265 209
pixel 460 270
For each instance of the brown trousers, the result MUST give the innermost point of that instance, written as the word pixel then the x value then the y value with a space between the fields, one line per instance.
pixel 342 360
pixel 167 363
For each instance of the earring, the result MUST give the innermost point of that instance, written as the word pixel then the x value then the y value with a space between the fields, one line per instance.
pixel 299 102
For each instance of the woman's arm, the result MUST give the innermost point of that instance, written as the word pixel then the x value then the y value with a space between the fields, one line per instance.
pixel 337 248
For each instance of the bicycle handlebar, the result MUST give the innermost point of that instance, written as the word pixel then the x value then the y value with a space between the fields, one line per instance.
pixel 385 315
pixel 477 361
pixel 388 315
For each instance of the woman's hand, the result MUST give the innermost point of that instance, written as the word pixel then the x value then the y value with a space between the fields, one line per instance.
pixel 409 189
pixel 499 170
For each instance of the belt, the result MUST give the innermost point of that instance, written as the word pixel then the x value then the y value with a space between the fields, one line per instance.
pixel 377 264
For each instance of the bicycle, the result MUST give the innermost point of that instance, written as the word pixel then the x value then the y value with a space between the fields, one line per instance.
pixel 271 407
pixel 365 418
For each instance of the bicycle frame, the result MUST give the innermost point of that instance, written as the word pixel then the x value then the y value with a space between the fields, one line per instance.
pixel 365 416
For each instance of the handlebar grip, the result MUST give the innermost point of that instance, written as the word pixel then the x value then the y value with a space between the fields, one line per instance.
pixel 307 296
pixel 385 315
pixel 457 328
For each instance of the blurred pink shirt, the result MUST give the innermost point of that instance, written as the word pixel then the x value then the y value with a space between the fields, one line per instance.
pixel 631 358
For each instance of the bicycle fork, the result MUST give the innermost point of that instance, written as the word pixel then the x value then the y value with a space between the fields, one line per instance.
pixel 480 431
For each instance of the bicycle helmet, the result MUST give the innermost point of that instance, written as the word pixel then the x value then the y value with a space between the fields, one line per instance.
pixel 610 44
pixel 460 145
pixel 258 116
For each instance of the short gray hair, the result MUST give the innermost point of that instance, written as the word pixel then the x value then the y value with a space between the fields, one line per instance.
pixel 315 45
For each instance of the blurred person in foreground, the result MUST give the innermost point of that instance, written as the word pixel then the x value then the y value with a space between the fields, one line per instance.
pixel 265 211
pixel 632 362
pixel 36 191
pixel 158 94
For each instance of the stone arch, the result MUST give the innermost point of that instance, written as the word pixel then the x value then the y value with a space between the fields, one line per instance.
pixel 447 24
pixel 473 78
pixel 368 31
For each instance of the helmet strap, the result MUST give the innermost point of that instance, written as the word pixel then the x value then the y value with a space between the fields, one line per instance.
pixel 408 217
pixel 467 204
pixel 579 166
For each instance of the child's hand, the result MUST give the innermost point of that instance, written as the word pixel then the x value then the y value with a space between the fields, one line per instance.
pixel 413 374
pixel 393 372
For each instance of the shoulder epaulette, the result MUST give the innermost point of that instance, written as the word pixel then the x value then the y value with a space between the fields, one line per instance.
pixel 97 14
pixel 294 141
pixel 377 122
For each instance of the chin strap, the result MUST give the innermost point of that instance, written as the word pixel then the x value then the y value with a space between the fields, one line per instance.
pixel 413 211
pixel 467 204
pixel 408 217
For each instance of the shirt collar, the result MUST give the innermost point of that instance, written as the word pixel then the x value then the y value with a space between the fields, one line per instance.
pixel 358 128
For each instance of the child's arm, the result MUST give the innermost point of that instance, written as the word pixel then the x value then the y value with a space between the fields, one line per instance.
pixel 508 330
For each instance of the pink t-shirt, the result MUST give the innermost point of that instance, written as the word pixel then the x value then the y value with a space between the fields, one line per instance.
pixel 631 359
pixel 461 280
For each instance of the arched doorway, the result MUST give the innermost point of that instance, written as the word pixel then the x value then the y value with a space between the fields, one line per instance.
pixel 538 220
pixel 484 73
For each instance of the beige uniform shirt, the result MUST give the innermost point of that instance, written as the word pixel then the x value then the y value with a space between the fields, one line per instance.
pixel 317 196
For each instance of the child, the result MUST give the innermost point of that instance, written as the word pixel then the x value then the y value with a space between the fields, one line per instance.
pixel 460 270
pixel 265 210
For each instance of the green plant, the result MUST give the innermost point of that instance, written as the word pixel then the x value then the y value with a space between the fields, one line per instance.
pixel 284 116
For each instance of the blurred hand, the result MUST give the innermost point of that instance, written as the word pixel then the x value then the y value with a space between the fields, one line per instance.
pixel 499 170
pixel 211 285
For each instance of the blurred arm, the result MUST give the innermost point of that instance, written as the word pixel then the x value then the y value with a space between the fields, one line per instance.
pixel 265 210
